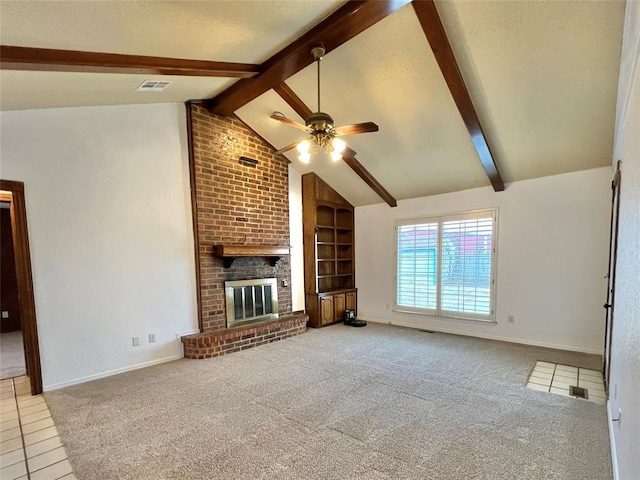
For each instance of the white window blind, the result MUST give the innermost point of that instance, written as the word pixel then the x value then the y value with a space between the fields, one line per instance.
pixel 445 265
pixel 417 265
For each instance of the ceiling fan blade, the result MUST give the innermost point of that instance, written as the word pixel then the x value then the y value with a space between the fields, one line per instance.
pixel 356 128
pixel 281 118
pixel 287 148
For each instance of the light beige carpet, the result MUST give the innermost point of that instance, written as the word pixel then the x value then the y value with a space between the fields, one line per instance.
pixel 11 355
pixel 378 402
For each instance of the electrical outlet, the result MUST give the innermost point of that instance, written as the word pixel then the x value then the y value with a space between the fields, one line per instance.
pixel 511 319
pixel 152 338
pixel 387 306
pixel 5 314
pixel 135 341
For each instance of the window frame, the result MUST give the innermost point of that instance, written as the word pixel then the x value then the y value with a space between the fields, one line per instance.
pixel 438 312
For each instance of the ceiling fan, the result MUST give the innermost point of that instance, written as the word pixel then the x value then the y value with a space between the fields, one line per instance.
pixel 322 134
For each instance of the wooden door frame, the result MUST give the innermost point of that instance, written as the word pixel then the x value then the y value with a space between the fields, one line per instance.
pixel 611 273
pixel 25 282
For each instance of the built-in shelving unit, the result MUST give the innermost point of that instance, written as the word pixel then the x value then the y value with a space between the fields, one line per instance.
pixel 328 252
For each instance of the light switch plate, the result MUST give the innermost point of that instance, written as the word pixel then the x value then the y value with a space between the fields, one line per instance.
pixel 5 314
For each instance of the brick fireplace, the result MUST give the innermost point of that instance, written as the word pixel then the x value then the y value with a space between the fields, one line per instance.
pixel 240 202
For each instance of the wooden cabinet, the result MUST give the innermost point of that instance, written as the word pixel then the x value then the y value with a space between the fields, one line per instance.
pixel 329 256
pixel 338 306
pixel 326 309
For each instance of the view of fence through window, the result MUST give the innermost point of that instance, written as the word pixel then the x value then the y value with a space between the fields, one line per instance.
pixel 444 265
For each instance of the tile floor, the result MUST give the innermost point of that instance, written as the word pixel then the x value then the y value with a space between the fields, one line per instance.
pixel 557 378
pixel 30 448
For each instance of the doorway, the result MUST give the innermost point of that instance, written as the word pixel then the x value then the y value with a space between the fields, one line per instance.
pixel 12 358
pixel 611 274
pixel 13 193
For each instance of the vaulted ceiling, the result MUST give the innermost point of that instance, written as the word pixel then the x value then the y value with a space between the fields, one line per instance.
pixel 542 76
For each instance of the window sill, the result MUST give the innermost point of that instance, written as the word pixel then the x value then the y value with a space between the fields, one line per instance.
pixel 436 317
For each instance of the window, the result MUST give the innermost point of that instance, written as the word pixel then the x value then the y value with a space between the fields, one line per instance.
pixel 445 266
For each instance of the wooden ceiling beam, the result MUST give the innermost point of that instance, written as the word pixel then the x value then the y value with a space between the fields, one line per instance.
pixel 437 38
pixel 293 100
pixel 51 60
pixel 345 23
pixel 349 155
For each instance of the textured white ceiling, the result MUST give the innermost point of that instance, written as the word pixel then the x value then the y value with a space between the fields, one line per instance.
pixel 542 75
pixel 224 31
pixel 22 90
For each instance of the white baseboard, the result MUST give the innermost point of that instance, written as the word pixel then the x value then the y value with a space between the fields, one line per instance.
pixel 489 337
pixel 95 376
pixel 612 443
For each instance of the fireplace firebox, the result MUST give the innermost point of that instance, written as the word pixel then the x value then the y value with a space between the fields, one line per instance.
pixel 251 300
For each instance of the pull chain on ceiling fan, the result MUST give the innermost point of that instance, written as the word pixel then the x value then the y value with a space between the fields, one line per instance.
pixel 323 135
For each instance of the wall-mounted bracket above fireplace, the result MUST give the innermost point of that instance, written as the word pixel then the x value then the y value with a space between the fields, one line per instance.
pixel 229 252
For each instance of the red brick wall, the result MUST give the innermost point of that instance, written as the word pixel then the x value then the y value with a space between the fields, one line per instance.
pixel 237 204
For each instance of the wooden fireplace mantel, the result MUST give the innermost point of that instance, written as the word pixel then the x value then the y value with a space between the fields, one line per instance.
pixel 229 252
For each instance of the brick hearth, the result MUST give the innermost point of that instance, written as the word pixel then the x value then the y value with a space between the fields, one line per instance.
pixel 221 342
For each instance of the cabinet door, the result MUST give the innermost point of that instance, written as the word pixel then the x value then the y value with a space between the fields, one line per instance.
pixel 326 310
pixel 352 302
pixel 339 306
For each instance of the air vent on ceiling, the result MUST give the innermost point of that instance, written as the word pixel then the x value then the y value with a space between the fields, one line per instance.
pixel 153 86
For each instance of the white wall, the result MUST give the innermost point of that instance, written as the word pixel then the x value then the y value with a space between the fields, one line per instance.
pixel 295 233
pixel 109 217
pixel 625 363
pixel 552 258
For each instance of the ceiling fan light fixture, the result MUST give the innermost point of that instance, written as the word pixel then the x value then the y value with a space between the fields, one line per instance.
pixel 304 147
pixel 338 145
pixel 320 122
pixel 304 158
pixel 336 149
pixel 320 127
